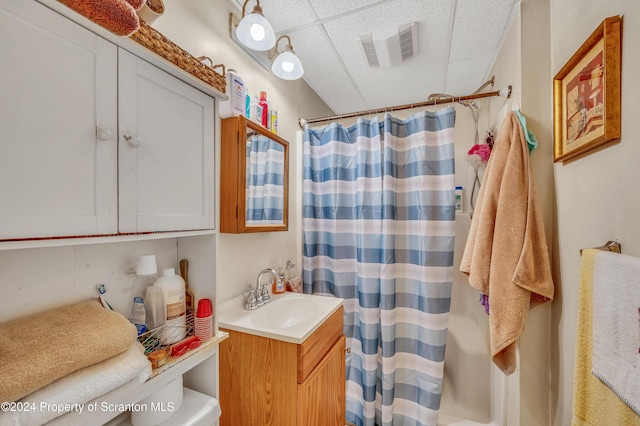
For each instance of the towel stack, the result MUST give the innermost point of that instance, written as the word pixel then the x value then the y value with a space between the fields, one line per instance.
pixel 67 355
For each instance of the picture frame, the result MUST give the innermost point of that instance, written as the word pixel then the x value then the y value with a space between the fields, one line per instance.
pixel 586 94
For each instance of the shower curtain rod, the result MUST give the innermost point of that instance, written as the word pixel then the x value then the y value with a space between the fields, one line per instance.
pixel 433 100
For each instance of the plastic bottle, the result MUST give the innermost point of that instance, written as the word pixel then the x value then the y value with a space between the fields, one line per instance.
pixel 458 199
pixel 263 115
pixel 279 281
pixel 291 273
pixel 247 103
pixel 237 93
pixel 273 117
pixel 171 286
pixel 255 109
pixel 235 105
pixel 146 275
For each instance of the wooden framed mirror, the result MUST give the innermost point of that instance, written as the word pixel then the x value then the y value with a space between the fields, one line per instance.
pixel 254 178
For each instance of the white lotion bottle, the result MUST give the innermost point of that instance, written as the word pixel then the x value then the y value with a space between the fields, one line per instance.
pixel 172 288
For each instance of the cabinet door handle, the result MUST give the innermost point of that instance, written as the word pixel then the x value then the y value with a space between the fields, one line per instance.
pixel 347 350
pixel 104 133
pixel 133 141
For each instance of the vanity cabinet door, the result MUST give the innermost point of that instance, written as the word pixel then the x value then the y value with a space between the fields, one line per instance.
pixel 166 146
pixel 321 397
pixel 58 173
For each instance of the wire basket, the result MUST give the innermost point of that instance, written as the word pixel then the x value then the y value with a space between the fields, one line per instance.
pixel 155 41
pixel 152 339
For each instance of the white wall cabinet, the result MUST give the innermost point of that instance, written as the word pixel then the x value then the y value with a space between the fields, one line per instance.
pixel 166 142
pixel 94 140
pixel 57 85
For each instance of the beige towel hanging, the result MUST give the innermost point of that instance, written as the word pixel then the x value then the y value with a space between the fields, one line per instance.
pixel 506 253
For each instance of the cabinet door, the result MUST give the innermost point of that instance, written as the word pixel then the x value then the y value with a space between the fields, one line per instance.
pixel 321 397
pixel 57 86
pixel 166 141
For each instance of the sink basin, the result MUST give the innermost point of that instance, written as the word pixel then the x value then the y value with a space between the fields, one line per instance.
pixel 284 313
pixel 290 317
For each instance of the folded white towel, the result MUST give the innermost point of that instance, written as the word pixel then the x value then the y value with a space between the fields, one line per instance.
pixel 76 389
pixel 100 415
pixel 616 325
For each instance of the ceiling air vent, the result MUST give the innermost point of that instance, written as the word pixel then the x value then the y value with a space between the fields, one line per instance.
pixel 388 48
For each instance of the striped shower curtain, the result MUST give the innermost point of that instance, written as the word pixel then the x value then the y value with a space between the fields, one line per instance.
pixel 379 231
pixel 265 181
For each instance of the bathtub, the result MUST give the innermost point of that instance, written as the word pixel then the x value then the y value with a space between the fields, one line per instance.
pixel 474 391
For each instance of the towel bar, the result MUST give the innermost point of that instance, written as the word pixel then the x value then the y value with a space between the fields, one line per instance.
pixel 613 246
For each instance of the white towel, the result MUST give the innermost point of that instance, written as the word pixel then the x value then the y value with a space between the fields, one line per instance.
pixel 616 325
pixel 86 417
pixel 76 389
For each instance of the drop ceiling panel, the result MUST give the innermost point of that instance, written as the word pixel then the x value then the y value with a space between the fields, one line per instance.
pixel 283 14
pixel 410 81
pixel 464 77
pixel 324 72
pixel 327 8
pixel 478 28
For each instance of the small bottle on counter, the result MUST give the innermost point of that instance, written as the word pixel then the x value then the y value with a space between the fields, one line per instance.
pixel 279 280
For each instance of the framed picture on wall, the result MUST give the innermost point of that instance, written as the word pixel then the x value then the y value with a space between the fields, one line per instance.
pixel 586 94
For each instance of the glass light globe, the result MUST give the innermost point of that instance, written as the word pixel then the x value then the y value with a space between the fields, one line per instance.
pixel 255 32
pixel 287 66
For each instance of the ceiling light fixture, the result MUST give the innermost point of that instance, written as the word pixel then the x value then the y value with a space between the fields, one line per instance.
pixel 286 65
pixel 254 30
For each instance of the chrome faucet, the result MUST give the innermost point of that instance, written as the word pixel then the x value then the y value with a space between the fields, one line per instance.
pixel 262 290
pixel 260 295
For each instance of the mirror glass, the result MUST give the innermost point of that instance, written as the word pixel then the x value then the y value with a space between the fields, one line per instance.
pixel 265 181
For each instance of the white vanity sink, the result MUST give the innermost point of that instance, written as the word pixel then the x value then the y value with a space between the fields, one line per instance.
pixel 289 317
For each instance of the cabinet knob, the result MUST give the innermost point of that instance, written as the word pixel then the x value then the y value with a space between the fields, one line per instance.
pixel 104 133
pixel 133 141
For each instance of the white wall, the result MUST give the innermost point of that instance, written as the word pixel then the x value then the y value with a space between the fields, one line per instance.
pixel 202 28
pixel 596 198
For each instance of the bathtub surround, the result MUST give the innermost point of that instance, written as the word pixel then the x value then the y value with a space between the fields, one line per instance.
pixel 506 255
pixel 379 224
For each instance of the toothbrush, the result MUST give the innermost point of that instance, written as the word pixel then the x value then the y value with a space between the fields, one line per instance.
pixel 102 289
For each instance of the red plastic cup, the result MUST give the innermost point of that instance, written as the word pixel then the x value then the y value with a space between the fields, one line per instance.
pixel 204 308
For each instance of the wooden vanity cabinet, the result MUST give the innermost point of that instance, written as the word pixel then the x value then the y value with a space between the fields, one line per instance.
pixel 265 381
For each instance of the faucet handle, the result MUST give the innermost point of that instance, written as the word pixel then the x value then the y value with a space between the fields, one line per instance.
pixel 251 303
pixel 259 297
pixel 265 293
